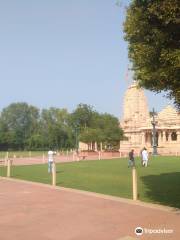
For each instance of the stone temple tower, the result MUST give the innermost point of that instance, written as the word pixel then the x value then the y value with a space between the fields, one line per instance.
pixel 135 116
pixel 135 108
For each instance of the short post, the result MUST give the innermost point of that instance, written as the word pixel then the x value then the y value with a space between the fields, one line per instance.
pixel 14 157
pixel 54 173
pixel 134 183
pixel 6 159
pixel 99 156
pixel 67 153
pixel 8 167
pixel 77 156
pixel 30 154
pixel 43 157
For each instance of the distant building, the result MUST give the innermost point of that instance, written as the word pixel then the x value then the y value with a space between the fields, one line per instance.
pixel 136 123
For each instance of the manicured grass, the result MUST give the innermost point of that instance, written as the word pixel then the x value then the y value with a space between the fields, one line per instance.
pixel 158 183
pixel 20 154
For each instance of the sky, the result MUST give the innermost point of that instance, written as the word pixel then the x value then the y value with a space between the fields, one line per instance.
pixel 59 53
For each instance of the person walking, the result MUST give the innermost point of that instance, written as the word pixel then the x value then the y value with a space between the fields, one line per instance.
pixel 50 160
pixel 145 157
pixel 131 162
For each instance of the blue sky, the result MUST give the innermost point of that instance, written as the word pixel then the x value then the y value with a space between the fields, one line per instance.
pixel 61 53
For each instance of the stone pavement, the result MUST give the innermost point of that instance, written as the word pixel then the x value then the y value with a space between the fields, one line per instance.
pixel 32 211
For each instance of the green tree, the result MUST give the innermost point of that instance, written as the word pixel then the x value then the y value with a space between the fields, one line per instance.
pixel 17 123
pixel 91 135
pixel 103 128
pixel 152 31
pixel 55 128
pixel 82 116
pixel 111 133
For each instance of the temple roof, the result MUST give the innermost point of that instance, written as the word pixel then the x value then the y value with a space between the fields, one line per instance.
pixel 169 114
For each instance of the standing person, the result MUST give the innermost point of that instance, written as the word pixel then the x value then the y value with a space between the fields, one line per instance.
pixel 145 157
pixel 141 157
pixel 131 162
pixel 50 160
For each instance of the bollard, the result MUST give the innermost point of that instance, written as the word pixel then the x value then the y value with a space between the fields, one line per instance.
pixel 6 159
pixel 43 158
pixel 77 156
pixel 54 174
pixel 68 154
pixel 99 156
pixel 30 154
pixel 134 183
pixel 8 168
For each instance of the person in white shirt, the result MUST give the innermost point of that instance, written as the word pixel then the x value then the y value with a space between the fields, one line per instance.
pixel 145 157
pixel 50 160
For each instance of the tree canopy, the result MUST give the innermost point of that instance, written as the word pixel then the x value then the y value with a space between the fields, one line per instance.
pixel 23 126
pixel 152 31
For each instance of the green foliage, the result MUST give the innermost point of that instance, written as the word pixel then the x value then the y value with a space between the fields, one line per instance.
pixel 55 129
pixel 152 31
pixel 96 127
pixel 82 116
pixel 17 123
pixel 25 127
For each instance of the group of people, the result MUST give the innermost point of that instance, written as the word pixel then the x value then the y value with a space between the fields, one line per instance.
pixel 144 158
pixel 131 162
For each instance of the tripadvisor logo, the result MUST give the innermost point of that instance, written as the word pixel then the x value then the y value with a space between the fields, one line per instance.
pixel 139 231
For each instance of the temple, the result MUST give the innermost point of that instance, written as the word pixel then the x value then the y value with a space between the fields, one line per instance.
pixel 137 125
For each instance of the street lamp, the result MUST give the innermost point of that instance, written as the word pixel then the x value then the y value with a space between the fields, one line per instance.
pixel 154 137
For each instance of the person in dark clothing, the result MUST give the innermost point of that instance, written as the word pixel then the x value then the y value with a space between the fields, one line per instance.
pixel 131 162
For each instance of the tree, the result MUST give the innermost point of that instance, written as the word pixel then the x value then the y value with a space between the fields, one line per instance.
pixel 111 133
pixel 152 31
pixel 82 116
pixel 103 128
pixel 55 128
pixel 17 123
pixel 91 135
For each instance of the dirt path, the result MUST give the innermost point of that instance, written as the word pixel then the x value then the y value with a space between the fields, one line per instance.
pixel 30 211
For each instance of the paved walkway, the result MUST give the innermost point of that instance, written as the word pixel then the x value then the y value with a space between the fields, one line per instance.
pixel 30 211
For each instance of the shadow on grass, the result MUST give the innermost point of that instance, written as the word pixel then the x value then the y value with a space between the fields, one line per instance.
pixel 58 171
pixel 163 189
pixel 60 184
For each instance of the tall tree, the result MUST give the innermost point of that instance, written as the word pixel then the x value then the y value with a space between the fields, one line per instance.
pixel 82 116
pixel 152 31
pixel 103 128
pixel 55 128
pixel 18 122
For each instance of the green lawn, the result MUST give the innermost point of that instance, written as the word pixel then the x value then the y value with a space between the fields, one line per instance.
pixel 20 154
pixel 158 183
